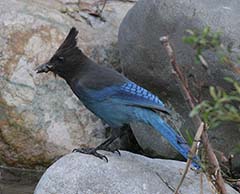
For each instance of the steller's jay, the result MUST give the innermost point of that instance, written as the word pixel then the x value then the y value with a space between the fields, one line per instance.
pixel 109 95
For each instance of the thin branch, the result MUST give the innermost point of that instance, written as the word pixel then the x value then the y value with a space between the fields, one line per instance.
pixel 104 3
pixel 166 183
pixel 201 183
pixel 191 154
pixel 98 12
pixel 178 72
pixel 215 168
pixel 215 172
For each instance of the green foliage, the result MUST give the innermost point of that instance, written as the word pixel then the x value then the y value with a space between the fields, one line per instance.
pixel 203 40
pixel 222 107
pixel 189 137
pixel 208 40
pixel 236 150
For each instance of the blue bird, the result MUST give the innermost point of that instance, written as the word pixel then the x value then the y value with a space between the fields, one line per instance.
pixel 110 95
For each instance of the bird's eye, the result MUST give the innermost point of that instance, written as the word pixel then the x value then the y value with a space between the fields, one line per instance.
pixel 61 59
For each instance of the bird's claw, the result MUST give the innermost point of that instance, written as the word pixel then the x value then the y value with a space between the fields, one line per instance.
pixel 91 151
pixel 119 153
pixel 114 150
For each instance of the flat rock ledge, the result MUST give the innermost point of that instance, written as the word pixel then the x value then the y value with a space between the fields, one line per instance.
pixel 126 174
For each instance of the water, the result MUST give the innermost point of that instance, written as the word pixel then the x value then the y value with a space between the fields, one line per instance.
pixel 16 188
pixel 18 181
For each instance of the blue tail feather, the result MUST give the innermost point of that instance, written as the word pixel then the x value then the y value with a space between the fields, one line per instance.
pixel 177 141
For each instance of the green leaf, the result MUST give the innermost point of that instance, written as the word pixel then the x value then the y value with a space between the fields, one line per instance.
pixel 213 93
pixel 206 31
pixel 189 137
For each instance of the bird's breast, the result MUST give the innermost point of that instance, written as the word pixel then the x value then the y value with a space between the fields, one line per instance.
pixel 115 115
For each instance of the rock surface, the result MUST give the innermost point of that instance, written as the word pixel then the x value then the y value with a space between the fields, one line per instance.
pixel 128 173
pixel 40 118
pixel 145 61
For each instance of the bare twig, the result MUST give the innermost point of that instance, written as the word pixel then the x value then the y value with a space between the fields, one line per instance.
pixel 192 153
pixel 104 3
pixel 201 183
pixel 215 169
pixel 73 17
pixel 214 165
pixel 179 74
pixel 98 12
pixel 165 182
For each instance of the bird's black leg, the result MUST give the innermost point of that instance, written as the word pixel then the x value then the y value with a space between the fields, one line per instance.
pixel 103 146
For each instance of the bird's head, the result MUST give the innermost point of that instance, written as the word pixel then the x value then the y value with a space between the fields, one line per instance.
pixel 65 59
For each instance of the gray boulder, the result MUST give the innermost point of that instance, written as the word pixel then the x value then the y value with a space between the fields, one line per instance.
pixel 145 61
pixel 40 118
pixel 128 173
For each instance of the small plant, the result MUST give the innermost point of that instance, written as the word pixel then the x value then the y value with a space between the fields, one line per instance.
pixel 208 40
pixel 203 40
pixel 222 107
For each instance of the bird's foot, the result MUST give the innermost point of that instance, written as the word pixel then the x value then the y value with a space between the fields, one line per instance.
pixel 113 150
pixel 91 151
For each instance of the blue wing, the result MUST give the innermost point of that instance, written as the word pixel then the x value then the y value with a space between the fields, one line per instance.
pixel 131 94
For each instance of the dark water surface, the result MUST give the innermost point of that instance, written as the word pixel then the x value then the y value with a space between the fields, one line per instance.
pixel 18 181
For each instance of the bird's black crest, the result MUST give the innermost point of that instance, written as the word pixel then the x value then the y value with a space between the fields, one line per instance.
pixel 70 41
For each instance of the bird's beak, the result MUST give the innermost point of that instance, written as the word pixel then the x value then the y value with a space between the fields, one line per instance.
pixel 44 68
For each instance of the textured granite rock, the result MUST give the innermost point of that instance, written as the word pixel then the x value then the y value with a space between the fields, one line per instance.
pixel 40 118
pixel 128 173
pixel 144 59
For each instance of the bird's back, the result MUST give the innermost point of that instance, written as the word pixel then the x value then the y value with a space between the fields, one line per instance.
pixel 97 77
